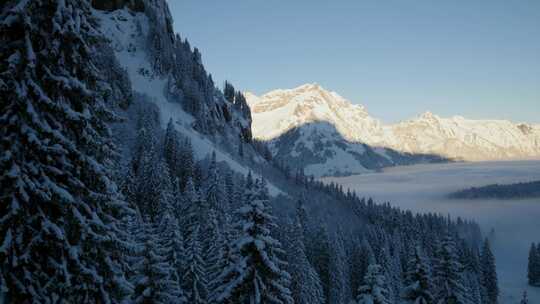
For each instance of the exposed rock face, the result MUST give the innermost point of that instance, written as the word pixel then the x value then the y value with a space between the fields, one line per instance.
pixel 322 132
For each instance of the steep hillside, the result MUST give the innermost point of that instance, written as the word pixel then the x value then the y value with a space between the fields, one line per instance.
pixel 325 134
pixel 166 71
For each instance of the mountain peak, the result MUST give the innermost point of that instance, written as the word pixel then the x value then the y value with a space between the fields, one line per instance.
pixel 309 87
pixel 428 115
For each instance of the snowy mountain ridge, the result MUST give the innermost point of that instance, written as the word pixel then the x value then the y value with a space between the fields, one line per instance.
pixel 311 110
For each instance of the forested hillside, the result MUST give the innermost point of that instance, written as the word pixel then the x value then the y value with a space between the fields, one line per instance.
pixel 128 177
pixel 516 191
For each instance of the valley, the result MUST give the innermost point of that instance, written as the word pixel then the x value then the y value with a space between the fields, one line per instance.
pixel 423 188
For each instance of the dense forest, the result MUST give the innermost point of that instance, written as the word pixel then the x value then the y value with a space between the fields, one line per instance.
pixel 101 204
pixel 511 191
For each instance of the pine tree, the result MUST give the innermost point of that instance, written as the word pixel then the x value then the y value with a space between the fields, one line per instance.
pixel 215 192
pixel 192 225
pixel 418 283
pixel 385 260
pixel 214 252
pixel 186 159
pixel 194 280
pixel 256 276
pixel 525 299
pixel 191 201
pixel 340 292
pixel 155 280
pixel 373 291
pixel 536 270
pixel 448 274
pixel 219 258
pixel 171 149
pixel 489 274
pixel 533 269
pixel 172 244
pixel 361 257
pixel 306 285
pixel 229 91
pixel 319 252
pixel 472 276
pixel 155 185
pixel 60 209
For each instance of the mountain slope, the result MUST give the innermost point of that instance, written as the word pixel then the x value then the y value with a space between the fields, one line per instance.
pixel 216 125
pixel 325 134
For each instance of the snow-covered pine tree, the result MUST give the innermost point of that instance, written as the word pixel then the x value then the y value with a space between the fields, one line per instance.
pixel 229 91
pixel 385 260
pixel 129 188
pixel 198 175
pixel 155 279
pixel 472 276
pixel 418 281
pixel 145 139
pixel 229 183
pixel 374 290
pixel 172 244
pixel 318 252
pixel 186 159
pixel 142 182
pixel 214 252
pixel 171 149
pixel 361 257
pixel 223 259
pixel 448 277
pixel 215 191
pixel 190 200
pixel 256 276
pixel 155 185
pixel 194 280
pixel 340 292
pixel 489 274
pixel 60 209
pixel 306 285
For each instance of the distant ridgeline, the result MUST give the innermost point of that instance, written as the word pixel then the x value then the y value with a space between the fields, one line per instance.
pixel 517 190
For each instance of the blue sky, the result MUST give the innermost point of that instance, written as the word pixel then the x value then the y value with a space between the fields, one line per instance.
pixel 478 59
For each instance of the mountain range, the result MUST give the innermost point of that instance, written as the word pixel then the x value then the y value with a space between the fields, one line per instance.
pixel 321 132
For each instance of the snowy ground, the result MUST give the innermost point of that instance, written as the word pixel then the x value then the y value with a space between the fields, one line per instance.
pixel 423 188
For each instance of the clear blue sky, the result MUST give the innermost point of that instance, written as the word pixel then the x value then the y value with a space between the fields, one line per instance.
pixel 479 59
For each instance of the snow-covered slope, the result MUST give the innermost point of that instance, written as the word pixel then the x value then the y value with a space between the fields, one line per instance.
pixel 325 134
pixel 127 32
pixel 460 138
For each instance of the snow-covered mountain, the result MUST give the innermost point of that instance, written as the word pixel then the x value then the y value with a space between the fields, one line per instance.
pixel 325 134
